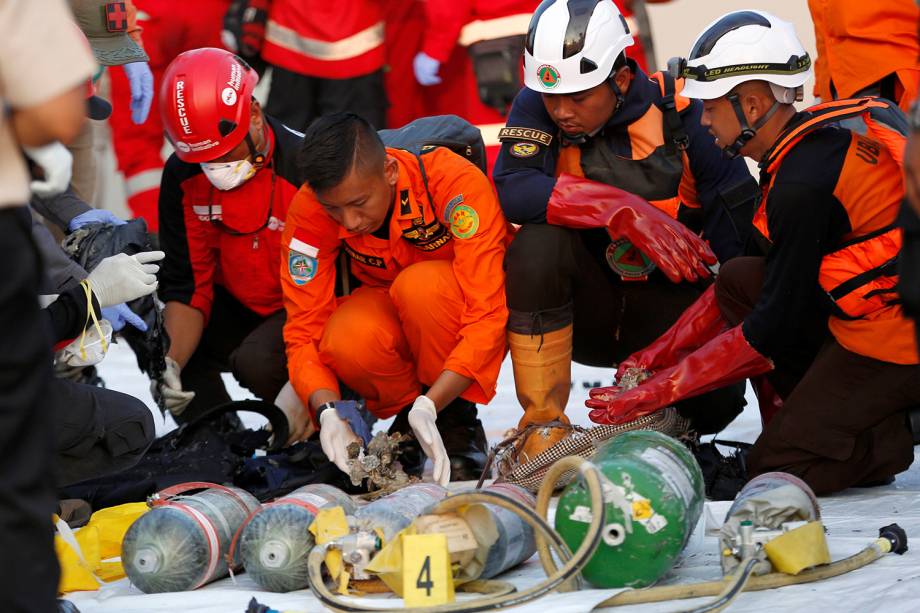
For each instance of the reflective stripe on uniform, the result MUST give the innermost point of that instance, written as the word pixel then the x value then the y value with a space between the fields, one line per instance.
pixel 346 48
pixel 489 29
pixel 143 181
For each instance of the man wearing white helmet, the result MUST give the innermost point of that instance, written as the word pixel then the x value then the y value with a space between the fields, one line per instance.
pixel 618 190
pixel 819 315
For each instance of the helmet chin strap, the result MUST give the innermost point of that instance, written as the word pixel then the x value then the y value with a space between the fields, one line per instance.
pixel 582 137
pixel 748 131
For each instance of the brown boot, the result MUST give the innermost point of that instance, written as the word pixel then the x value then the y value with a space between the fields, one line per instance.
pixel 542 378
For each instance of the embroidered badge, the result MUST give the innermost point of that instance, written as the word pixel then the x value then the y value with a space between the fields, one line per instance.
pixel 464 221
pixel 549 76
pixel 458 199
pixel 516 134
pixel 405 207
pixel 301 267
pixel 627 261
pixel 524 150
pixel 116 17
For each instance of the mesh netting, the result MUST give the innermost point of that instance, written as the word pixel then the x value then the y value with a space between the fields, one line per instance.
pixel 585 441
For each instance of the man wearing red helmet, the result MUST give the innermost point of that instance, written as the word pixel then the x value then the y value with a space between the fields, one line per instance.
pixel 223 200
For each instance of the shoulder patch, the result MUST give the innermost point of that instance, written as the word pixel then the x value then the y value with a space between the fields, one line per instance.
pixel 458 199
pixel 530 134
pixel 301 267
pixel 464 221
pixel 524 150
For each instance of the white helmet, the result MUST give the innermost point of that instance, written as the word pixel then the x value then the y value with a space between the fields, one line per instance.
pixel 572 45
pixel 745 46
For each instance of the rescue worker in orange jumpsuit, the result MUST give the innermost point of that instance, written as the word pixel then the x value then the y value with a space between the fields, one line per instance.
pixel 223 201
pixel 612 180
pixel 423 337
pixel 819 314
pixel 327 57
pixel 866 49
pixel 168 27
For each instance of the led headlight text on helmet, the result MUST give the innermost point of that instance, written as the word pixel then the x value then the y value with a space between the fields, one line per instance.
pixel 703 74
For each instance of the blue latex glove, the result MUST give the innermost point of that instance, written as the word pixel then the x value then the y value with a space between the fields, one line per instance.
pixel 94 216
pixel 426 69
pixel 141 80
pixel 119 315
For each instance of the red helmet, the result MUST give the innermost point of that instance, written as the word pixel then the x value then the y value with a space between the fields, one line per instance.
pixel 205 101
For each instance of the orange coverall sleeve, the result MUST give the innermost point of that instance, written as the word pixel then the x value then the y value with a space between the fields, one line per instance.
pixel 309 247
pixel 466 201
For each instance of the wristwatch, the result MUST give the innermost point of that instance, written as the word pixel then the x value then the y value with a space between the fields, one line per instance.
pixel 324 407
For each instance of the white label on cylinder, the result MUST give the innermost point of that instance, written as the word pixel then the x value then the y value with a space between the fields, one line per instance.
pixel 672 470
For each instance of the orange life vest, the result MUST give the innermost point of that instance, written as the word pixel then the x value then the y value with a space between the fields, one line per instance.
pixel 860 276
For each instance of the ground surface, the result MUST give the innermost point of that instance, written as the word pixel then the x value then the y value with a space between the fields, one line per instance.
pixel 852 520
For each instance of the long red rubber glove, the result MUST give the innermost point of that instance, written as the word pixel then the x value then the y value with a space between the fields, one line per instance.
pixel 699 324
pixel 580 203
pixel 696 326
pixel 725 359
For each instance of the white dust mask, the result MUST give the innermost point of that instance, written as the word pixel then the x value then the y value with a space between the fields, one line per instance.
pixel 228 175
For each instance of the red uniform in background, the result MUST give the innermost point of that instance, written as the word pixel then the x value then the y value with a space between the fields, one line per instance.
pixel 327 56
pixel 169 28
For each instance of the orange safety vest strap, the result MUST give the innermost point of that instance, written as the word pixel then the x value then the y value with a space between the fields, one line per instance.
pixel 862 276
pixel 824 113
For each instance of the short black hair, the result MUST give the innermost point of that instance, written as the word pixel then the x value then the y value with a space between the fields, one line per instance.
pixel 331 147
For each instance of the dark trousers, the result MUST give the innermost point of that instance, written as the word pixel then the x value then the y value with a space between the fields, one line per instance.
pixel 843 420
pixel 28 567
pixel 558 276
pixel 99 431
pixel 298 99
pixel 239 341
pixel 909 265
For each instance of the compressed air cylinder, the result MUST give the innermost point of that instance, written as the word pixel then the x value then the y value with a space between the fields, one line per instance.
pixel 516 543
pixel 182 543
pixel 654 498
pixel 274 544
pixel 767 502
pixel 395 511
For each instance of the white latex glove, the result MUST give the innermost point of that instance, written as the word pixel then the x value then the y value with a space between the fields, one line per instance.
pixel 422 418
pixel 334 437
pixel 300 426
pixel 122 278
pixel 57 164
pixel 426 69
pixel 174 397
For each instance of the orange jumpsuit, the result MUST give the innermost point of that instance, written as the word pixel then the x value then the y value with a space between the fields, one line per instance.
pixel 860 43
pixel 432 296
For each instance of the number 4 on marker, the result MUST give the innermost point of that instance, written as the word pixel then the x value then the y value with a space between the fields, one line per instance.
pixel 426 570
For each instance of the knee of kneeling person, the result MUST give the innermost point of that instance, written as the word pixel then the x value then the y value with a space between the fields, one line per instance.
pixel 420 283
pixel 537 252
pixel 134 431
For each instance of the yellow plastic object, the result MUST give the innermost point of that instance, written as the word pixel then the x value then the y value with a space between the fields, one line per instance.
pixel 112 523
pixel 798 549
pixel 329 525
pixel 388 563
pixel 78 554
pixel 84 553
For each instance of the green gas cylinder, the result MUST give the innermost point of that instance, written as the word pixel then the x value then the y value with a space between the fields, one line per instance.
pixel 654 497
